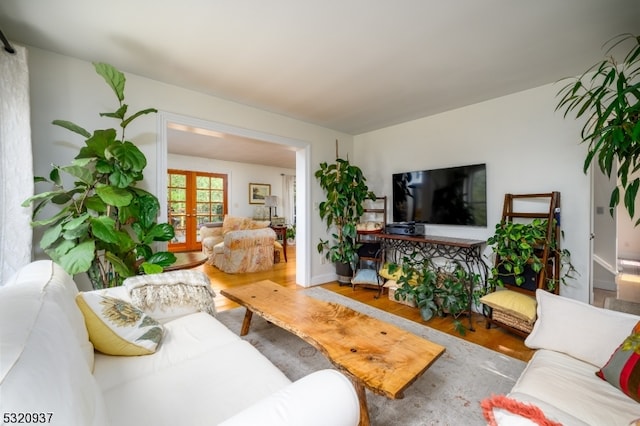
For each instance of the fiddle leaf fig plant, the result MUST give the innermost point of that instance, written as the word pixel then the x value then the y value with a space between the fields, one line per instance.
pixel 608 96
pixel 104 225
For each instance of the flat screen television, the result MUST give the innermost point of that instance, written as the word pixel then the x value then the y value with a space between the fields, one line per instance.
pixel 449 196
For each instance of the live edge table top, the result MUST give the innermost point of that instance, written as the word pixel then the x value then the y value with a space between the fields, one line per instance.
pixel 384 358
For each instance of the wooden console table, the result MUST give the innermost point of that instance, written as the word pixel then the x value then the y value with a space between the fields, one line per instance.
pixel 466 252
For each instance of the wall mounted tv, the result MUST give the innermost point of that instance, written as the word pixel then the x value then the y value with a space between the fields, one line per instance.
pixel 449 196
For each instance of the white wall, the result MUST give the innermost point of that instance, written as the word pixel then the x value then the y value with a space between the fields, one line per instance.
pixel 239 176
pixel 527 148
pixel 69 89
pixel 628 234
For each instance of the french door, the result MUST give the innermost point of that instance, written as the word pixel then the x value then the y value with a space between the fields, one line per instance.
pixel 194 198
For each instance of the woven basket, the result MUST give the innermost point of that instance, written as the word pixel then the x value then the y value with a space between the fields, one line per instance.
pixel 409 301
pixel 512 321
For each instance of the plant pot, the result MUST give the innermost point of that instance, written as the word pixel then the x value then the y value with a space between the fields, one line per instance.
pixel 344 272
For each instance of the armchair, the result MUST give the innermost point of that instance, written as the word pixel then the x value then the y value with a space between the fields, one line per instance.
pixel 210 235
pixel 239 245
pixel 247 250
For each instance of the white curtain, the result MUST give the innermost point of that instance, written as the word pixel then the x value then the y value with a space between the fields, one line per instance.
pixel 16 163
pixel 288 198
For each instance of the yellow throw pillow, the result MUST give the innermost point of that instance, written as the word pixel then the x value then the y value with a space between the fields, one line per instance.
pixel 517 304
pixel 384 272
pixel 116 327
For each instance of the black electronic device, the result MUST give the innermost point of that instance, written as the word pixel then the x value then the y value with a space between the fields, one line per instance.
pixel 449 196
pixel 405 229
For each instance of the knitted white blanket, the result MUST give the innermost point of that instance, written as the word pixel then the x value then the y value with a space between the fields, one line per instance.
pixel 171 289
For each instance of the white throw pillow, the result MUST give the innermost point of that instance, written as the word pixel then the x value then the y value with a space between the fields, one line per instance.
pixel 577 329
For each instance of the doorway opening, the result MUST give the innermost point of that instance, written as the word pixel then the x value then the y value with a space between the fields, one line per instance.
pixel 303 167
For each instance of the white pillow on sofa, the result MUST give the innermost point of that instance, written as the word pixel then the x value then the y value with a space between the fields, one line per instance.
pixel 578 329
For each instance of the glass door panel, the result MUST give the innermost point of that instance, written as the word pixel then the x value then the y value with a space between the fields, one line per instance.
pixel 195 198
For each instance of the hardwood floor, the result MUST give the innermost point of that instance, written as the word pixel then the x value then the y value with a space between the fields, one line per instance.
pixel 284 273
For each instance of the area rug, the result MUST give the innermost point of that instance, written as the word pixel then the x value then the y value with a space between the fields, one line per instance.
pixel 448 393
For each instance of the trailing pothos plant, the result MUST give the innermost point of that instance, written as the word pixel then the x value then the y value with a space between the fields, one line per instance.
pixel 104 225
pixel 608 96
pixel 518 247
pixel 437 290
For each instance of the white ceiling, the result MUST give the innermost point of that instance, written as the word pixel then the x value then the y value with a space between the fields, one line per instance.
pixel 348 65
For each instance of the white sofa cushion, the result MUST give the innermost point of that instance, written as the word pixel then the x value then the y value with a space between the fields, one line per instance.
pixel 583 331
pixel 203 390
pixel 572 387
pixel 47 277
pixel 185 338
pixel 43 367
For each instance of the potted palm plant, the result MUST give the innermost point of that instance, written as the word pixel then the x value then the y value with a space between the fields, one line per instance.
pixel 608 96
pixel 104 225
pixel 345 189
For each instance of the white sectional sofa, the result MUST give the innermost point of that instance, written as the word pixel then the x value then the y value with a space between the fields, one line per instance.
pixel 201 374
pixel 574 340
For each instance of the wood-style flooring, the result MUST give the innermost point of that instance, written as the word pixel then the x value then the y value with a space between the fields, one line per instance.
pixel 284 273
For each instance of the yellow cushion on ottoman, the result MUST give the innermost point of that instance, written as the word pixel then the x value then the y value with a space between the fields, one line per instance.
pixel 517 304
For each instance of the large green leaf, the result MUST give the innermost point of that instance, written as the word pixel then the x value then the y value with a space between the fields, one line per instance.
pixel 72 127
pixel 76 221
pixel 50 236
pixel 119 114
pixel 61 214
pixel 104 228
pixel 161 232
pixel 96 204
pixel 148 207
pixel 97 144
pixel 83 174
pixel 114 196
pixel 129 156
pixel 119 265
pixel 120 178
pixel 59 249
pixel 151 268
pixel 114 78
pixel 126 122
pixel 79 258
pixel 162 258
pixel 40 196
pixel 78 233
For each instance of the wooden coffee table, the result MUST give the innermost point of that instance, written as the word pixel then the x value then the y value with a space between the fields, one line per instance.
pixel 374 354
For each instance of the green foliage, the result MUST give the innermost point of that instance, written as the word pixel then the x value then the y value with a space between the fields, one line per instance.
pixel 104 224
pixel 608 96
pixel 291 232
pixel 437 290
pixel 518 246
pixel 346 190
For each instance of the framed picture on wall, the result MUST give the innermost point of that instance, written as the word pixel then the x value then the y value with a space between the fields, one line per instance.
pixel 258 192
